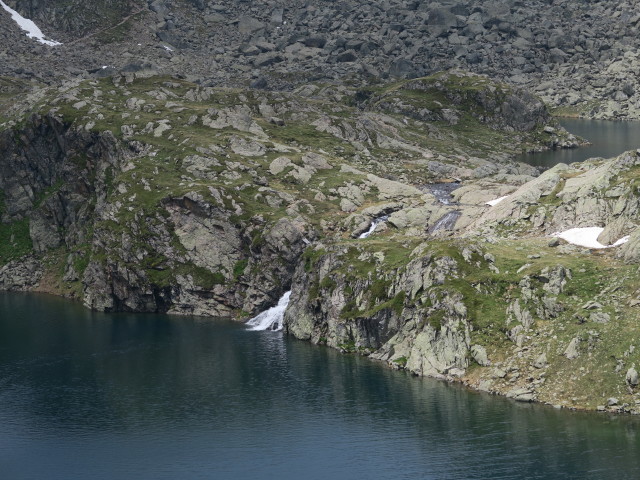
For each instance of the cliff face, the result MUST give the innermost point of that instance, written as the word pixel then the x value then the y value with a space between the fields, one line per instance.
pixel 58 185
pixel 53 178
pixel 75 18
pixel 355 300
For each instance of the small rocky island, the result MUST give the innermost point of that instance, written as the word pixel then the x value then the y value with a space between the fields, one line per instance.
pixel 150 164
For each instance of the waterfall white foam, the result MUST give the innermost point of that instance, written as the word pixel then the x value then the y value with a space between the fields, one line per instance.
pixel 374 225
pixel 271 319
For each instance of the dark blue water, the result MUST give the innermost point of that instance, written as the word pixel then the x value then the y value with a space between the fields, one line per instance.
pixel 608 139
pixel 95 396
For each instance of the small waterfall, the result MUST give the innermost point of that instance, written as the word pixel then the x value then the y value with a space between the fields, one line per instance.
pixel 446 222
pixel 271 319
pixel 374 225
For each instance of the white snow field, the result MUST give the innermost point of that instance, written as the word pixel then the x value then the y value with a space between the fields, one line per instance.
pixel 587 237
pixel 28 26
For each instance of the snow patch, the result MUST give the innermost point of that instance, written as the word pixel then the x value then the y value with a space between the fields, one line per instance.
pixel 493 203
pixel 587 237
pixel 28 26
pixel 167 48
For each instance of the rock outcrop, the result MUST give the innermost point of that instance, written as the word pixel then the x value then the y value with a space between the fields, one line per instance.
pixel 595 193
pixel 392 315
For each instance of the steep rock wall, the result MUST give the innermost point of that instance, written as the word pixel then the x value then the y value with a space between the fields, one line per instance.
pixel 189 255
pixel 407 316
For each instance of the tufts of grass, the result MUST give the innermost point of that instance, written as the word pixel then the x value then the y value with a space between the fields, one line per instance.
pixel 15 241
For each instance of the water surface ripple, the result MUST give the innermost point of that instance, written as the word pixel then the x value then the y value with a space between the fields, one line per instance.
pixel 608 139
pixel 110 396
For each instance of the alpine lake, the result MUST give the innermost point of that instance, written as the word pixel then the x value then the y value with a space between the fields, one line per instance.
pixel 112 396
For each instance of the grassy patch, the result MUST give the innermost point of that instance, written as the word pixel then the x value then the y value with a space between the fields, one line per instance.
pixel 205 278
pixel 328 283
pixel 15 240
pixel 239 268
pixel 311 256
pixel 401 361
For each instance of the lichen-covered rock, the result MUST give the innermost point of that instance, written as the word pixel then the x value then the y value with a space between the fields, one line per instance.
pixel 210 240
pixel 238 117
pixel 572 351
pixel 381 316
pixel 23 274
pixel 522 394
pixel 630 251
pixel 518 314
pixel 247 148
pixel 541 361
pixel 479 354
pixel 517 206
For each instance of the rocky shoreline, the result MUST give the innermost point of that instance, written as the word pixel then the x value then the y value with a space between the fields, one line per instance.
pixel 153 194
pixel 204 158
